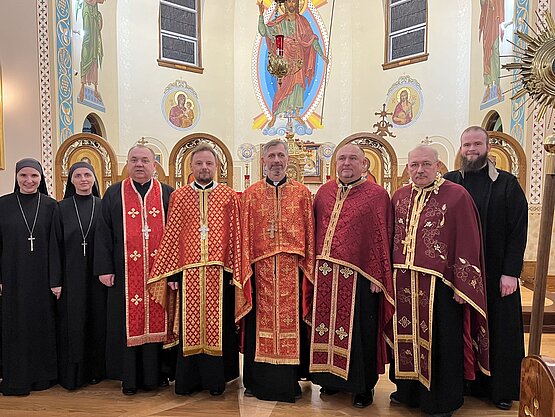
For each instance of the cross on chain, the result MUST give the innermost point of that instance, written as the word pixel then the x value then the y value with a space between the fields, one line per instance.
pixel 30 239
pixel 203 231
pixel 407 241
pixel 84 244
pixel 272 229
pixel 146 231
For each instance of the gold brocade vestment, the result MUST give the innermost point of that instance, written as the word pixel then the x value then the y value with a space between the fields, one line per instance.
pixel 201 240
pixel 278 240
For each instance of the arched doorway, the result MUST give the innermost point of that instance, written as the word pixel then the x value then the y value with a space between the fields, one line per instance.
pixel 90 148
pixel 381 157
pixel 180 155
pixel 507 154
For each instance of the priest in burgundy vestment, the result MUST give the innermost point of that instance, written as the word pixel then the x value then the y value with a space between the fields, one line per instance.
pixel 353 287
pixel 440 332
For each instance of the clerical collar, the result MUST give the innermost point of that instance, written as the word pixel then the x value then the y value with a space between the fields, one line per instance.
pixel 349 183
pixel 276 183
pixel 434 186
pixel 200 187
pixel 142 188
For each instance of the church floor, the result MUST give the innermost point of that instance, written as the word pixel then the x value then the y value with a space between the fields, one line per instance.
pixel 105 399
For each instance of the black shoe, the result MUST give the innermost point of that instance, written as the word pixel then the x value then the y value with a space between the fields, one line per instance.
pixel 448 414
pixel 164 382
pixel 249 393
pixel 328 391
pixel 393 397
pixel 94 381
pixel 504 404
pixel 216 392
pixel 363 400
pixel 128 391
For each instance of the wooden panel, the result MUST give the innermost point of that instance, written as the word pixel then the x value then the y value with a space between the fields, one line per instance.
pixel 537 387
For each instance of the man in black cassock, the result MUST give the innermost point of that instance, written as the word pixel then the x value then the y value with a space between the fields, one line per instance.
pixel 28 325
pixel 200 258
pixel 133 348
pixel 81 309
pixel 504 217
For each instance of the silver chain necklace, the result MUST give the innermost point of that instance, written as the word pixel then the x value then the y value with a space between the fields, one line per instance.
pixel 30 229
pixel 84 244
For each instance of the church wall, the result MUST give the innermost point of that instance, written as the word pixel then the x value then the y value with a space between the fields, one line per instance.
pixel 142 81
pixel 20 84
pixel 443 77
pixel 107 78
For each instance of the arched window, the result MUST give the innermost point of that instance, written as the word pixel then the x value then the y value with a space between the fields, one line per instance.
pixel 406 25
pixel 93 124
pixel 493 122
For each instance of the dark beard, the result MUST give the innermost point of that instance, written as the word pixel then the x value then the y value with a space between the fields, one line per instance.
pixel 473 166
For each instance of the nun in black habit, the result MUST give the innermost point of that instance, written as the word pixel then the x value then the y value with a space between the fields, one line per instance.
pixel 28 325
pixel 81 308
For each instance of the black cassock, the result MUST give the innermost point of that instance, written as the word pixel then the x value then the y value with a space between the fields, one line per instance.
pixel 138 366
pixel 28 325
pixel 267 381
pixel 81 309
pixel 203 371
pixel 504 217
pixel 363 370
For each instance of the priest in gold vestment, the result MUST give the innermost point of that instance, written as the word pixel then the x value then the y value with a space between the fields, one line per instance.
pixel 199 258
pixel 440 331
pixel 278 266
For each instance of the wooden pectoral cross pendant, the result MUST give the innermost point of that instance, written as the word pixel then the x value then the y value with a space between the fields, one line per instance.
pixel 30 239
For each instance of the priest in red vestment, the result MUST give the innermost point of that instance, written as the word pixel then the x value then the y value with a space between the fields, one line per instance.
pixel 440 333
pixel 129 232
pixel 278 264
pixel 201 247
pixel 353 287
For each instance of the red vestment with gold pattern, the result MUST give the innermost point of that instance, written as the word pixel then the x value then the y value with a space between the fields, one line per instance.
pixel 436 237
pixel 201 240
pixel 353 239
pixel 143 226
pixel 278 239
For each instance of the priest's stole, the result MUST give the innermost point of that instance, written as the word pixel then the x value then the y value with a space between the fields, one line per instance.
pixel 333 313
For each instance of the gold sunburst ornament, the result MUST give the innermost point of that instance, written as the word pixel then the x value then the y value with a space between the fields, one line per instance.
pixel 536 65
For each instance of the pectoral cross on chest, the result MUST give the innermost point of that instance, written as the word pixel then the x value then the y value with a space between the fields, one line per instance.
pixel 146 231
pixel 408 240
pixel 30 239
pixel 272 229
pixel 84 244
pixel 203 231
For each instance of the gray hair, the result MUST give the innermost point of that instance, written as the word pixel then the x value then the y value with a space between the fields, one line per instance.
pixel 272 143
pixel 426 148
pixel 141 146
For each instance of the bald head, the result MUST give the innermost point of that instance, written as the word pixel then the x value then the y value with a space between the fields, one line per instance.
pixel 350 163
pixel 427 149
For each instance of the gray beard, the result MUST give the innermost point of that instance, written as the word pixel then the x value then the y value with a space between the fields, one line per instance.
pixel 474 166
